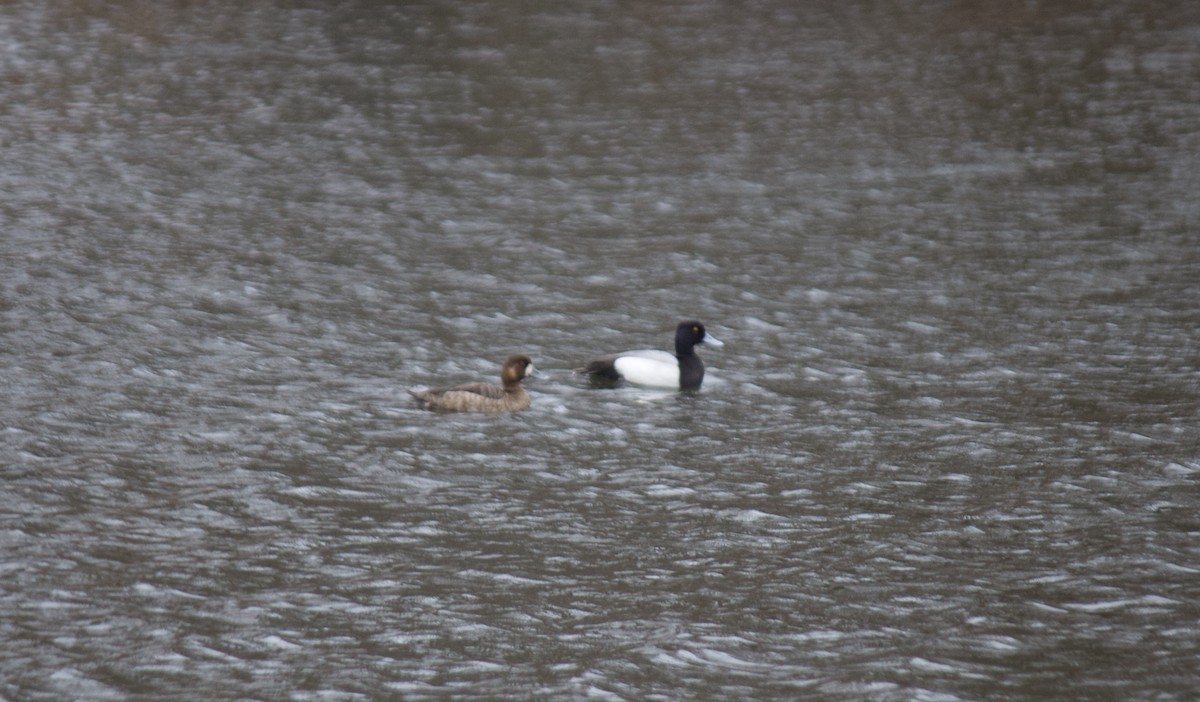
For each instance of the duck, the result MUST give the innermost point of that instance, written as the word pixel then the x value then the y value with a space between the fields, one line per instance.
pixel 483 397
pixel 682 370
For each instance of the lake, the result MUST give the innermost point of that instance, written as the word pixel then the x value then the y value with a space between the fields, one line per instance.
pixel 950 449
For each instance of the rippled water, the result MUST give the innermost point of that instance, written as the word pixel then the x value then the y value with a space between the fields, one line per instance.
pixel 950 449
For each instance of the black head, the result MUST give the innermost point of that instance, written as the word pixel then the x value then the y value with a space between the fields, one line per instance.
pixel 688 334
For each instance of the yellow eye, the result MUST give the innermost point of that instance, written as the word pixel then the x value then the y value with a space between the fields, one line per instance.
pixel 695 330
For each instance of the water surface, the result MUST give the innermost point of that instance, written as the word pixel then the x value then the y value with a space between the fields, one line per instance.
pixel 950 449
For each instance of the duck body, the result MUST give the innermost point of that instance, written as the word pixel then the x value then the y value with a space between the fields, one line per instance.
pixel 682 370
pixel 483 397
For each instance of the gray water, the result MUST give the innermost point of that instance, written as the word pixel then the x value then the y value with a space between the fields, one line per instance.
pixel 950 450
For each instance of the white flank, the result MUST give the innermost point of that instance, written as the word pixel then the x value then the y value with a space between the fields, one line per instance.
pixel 657 369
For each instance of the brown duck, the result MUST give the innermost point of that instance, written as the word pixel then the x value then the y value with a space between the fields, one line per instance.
pixel 483 397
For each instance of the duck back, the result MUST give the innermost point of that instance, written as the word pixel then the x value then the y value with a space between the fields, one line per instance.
pixel 473 397
pixel 483 397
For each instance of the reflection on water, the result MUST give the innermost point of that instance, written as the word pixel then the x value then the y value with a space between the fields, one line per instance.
pixel 949 450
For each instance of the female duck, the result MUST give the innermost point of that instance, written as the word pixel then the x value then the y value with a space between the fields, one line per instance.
pixel 682 371
pixel 483 397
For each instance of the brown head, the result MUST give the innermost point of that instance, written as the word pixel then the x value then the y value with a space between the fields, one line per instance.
pixel 515 369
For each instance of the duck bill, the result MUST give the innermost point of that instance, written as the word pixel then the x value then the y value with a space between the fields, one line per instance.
pixel 710 340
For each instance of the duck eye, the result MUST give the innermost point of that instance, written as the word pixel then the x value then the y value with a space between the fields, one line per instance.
pixel 695 330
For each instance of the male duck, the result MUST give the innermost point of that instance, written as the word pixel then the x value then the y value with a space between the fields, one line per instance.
pixel 682 370
pixel 483 397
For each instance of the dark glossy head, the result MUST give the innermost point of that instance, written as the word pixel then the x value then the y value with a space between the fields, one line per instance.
pixel 688 334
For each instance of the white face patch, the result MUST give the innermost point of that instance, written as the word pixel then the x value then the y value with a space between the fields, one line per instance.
pixel 529 369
